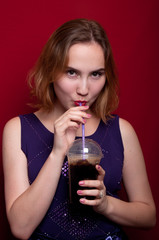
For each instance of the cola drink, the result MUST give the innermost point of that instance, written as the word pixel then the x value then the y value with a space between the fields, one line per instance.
pixel 82 164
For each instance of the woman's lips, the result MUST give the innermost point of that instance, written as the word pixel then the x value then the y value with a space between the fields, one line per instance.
pixel 80 103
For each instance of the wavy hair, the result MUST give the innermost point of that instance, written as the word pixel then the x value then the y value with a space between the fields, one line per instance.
pixel 54 58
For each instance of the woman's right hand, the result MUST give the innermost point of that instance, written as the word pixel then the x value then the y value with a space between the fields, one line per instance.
pixel 66 126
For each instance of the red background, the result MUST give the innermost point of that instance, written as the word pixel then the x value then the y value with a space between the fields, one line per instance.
pixel 132 27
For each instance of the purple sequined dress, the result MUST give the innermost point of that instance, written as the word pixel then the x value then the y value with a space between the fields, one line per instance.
pixel 60 222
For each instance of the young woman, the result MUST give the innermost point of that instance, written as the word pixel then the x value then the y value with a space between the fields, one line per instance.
pixel 75 66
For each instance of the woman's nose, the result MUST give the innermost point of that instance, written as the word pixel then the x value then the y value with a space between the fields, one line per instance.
pixel 82 88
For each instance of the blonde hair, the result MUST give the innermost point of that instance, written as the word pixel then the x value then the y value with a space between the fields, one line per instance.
pixel 53 61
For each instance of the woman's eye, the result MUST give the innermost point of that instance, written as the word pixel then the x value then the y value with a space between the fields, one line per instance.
pixel 71 73
pixel 97 74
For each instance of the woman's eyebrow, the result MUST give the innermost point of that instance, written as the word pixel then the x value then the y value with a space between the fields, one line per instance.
pixel 73 69
pixel 76 70
pixel 99 70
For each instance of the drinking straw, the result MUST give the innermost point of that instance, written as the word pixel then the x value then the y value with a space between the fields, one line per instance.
pixel 83 135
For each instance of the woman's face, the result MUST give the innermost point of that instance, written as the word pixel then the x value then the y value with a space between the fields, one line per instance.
pixel 84 76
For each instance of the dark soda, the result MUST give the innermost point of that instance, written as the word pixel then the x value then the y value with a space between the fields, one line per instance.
pixel 80 170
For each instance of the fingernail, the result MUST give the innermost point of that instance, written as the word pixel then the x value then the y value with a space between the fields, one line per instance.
pixel 81 183
pixel 89 115
pixel 99 167
pixel 82 200
pixel 79 192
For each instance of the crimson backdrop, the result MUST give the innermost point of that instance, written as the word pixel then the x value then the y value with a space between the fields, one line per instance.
pixel 132 27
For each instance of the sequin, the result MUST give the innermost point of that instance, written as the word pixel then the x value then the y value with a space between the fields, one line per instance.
pixel 76 226
pixel 64 169
pixel 109 238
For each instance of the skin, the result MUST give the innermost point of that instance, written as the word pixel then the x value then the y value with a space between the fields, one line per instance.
pixel 26 204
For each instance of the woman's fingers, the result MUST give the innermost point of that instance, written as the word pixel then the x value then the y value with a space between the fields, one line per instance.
pixel 98 196
pixel 95 183
pixel 93 192
pixel 101 172
pixel 72 115
pixel 94 188
pixel 94 202
pixel 77 116
pixel 75 111
pixel 91 184
pixel 66 125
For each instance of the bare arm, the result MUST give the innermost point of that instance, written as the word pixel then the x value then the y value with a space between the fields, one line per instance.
pixel 140 210
pixel 26 204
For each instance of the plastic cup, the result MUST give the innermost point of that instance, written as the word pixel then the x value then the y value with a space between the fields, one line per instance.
pixel 82 162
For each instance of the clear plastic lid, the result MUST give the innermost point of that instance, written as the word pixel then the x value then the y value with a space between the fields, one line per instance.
pixel 87 149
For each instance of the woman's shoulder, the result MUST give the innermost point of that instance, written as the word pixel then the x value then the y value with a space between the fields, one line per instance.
pixel 128 133
pixel 12 124
pixel 11 132
pixel 15 123
pixel 125 126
